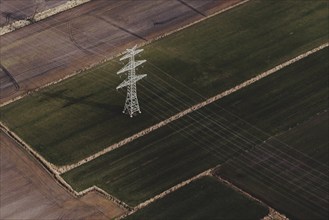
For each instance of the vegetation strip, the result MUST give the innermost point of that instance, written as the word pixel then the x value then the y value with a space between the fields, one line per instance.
pixel 64 169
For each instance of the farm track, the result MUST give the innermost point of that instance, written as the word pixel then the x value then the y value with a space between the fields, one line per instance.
pixel 64 169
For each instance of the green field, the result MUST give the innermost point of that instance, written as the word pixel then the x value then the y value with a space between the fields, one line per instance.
pixel 82 115
pixel 300 196
pixel 205 198
pixel 311 138
pixel 210 136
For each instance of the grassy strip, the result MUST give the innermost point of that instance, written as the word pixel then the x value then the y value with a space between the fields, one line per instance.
pixel 82 115
pixel 156 162
pixel 205 198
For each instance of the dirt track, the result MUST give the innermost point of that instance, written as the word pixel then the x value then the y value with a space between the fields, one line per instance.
pixel 62 44
pixel 27 191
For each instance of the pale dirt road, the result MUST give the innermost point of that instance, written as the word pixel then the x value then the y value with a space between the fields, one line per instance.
pixel 64 43
pixel 27 191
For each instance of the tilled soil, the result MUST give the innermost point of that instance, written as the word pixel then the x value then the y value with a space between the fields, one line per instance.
pixel 60 45
pixel 27 191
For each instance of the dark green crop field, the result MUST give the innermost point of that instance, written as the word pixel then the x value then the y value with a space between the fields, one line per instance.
pixel 205 198
pixel 212 135
pixel 311 138
pixel 297 188
pixel 82 115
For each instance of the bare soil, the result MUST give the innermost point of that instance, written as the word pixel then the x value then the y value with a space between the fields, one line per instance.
pixel 27 191
pixel 60 45
pixel 13 10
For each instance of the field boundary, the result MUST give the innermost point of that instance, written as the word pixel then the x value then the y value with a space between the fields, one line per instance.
pixel 272 215
pixel 52 170
pixel 242 85
pixel 40 16
pixel 168 191
pixel 120 53
pixel 194 22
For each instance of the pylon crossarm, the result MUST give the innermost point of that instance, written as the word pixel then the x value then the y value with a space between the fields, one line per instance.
pixel 139 62
pixel 125 68
pixel 131 66
pixel 130 81
pixel 130 53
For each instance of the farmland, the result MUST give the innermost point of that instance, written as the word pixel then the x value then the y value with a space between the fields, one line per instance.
pixel 82 115
pixel 205 198
pixel 75 39
pixel 310 138
pixel 210 136
pixel 20 10
pixel 27 191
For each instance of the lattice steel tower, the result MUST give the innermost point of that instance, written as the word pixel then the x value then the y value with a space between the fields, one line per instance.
pixel 131 104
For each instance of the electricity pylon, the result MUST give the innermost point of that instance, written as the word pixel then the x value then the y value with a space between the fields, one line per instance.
pixel 131 104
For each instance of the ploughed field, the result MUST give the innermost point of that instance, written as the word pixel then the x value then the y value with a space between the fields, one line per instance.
pixel 14 10
pixel 205 198
pixel 70 41
pixel 27 191
pixel 230 128
pixel 82 115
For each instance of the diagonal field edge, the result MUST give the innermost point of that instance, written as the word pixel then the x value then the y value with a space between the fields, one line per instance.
pixel 63 169
pixel 168 191
pixel 59 170
pixel 210 173
pixel 52 169
pixel 239 3
pixel 40 16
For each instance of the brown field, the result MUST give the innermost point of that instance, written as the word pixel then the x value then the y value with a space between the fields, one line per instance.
pixel 12 10
pixel 64 43
pixel 27 191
